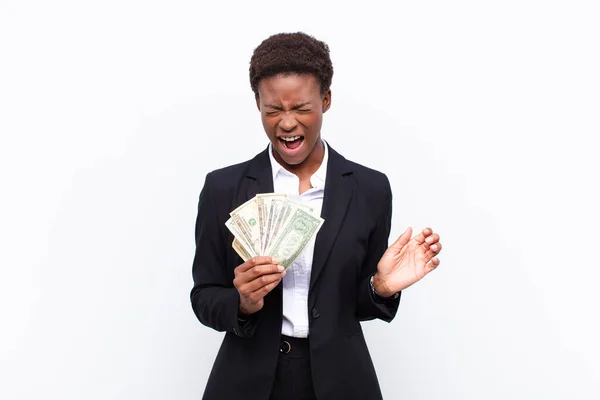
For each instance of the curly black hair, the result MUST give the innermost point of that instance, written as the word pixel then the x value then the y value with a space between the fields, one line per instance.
pixel 291 53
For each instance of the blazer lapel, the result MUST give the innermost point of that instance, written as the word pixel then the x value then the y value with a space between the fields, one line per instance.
pixel 338 193
pixel 259 178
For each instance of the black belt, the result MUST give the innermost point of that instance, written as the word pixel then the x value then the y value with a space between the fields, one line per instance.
pixel 294 347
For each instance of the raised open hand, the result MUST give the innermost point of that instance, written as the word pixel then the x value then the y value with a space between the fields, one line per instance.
pixel 407 261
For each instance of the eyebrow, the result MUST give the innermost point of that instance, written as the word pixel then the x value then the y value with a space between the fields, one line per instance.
pixel 293 108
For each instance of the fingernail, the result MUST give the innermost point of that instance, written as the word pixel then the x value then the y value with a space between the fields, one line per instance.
pixel 280 268
pixel 283 273
pixel 274 260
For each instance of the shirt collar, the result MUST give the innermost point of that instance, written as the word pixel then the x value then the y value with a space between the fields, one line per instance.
pixel 317 180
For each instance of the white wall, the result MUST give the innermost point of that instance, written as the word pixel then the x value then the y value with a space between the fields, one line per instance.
pixel 485 116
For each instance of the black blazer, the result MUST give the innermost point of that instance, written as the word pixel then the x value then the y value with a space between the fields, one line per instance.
pixel 357 209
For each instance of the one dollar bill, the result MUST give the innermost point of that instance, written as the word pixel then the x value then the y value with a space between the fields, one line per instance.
pixel 237 246
pixel 295 235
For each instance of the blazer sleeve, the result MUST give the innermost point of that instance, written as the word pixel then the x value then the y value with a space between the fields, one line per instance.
pixel 370 305
pixel 214 299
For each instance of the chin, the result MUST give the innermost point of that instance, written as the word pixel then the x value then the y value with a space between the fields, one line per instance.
pixel 296 160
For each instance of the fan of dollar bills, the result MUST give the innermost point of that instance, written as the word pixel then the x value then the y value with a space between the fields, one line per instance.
pixel 273 225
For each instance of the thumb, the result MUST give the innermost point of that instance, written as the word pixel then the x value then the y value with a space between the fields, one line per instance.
pixel 402 240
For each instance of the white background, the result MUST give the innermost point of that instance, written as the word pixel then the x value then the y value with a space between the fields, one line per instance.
pixel 484 115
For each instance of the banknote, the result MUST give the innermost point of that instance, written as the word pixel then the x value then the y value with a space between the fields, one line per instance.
pixel 243 238
pixel 237 246
pixel 274 207
pixel 246 219
pixel 295 235
pixel 283 215
pixel 275 225
pixel 309 208
pixel 288 209
pixel 265 202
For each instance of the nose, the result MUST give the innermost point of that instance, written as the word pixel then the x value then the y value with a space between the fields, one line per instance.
pixel 287 123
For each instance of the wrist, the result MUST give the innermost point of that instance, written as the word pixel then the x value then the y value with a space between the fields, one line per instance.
pixel 380 286
pixel 243 311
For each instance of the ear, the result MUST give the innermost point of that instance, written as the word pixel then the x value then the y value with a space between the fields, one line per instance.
pixel 257 98
pixel 326 102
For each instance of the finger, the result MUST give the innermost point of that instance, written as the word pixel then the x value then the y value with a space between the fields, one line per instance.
pixel 256 272
pixel 262 291
pixel 252 286
pixel 402 239
pixel 431 265
pixel 263 269
pixel 433 251
pixel 420 238
pixel 432 238
pixel 258 260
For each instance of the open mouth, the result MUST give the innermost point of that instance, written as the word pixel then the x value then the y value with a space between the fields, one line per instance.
pixel 291 142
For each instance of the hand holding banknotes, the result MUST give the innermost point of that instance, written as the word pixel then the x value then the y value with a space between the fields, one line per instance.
pixel 254 279
pixel 270 231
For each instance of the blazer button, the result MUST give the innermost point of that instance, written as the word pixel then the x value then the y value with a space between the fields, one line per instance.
pixel 315 313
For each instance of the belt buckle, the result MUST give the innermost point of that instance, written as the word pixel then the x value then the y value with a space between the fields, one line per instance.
pixel 285 347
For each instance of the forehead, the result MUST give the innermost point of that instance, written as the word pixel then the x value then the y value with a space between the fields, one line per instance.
pixel 289 88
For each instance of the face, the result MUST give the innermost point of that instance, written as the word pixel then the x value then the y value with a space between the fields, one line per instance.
pixel 291 109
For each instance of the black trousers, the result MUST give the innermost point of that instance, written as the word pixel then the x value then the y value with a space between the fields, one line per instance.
pixel 293 380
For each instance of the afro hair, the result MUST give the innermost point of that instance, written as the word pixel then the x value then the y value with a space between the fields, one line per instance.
pixel 291 53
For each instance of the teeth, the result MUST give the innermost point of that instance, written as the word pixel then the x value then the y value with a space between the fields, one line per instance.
pixel 289 138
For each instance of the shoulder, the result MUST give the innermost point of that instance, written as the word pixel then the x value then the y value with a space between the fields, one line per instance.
pixel 366 175
pixel 373 192
pixel 229 177
pixel 368 178
pixel 370 182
